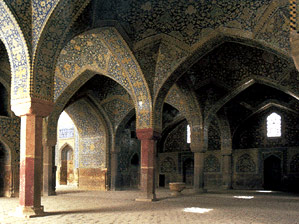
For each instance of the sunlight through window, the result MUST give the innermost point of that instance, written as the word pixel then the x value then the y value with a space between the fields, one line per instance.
pixel 274 125
pixel 65 126
pixel 188 134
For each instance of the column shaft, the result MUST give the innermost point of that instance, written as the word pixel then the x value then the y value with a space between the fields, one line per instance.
pixel 199 171
pixel 30 164
pixel 147 168
pixel 48 171
pixel 147 172
pixel 113 170
pixel 227 172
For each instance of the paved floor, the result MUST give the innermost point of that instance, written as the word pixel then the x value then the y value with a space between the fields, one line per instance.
pixel 73 206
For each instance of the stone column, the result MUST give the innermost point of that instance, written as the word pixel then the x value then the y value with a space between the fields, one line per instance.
pixel 199 172
pixel 48 174
pixel 113 170
pixel 148 139
pixel 31 112
pixel 227 170
pixel 198 147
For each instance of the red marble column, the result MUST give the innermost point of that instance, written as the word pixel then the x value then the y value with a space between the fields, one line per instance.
pixel 30 163
pixel 148 139
pixel 31 112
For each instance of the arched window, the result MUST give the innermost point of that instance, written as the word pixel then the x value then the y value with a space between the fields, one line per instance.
pixel 188 134
pixel 274 125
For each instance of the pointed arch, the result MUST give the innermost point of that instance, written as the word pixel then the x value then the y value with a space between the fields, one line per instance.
pixel 7 179
pixel 208 43
pixel 12 37
pixel 65 145
pixel 66 155
pixel 50 42
pixel 273 125
pixel 104 49
pixel 225 134
pixel 244 85
pixel 122 125
pixel 183 97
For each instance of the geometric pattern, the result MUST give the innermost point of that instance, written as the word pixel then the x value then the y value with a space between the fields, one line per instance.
pixel 103 51
pixel 294 165
pixel 211 164
pixel 15 44
pixel 168 165
pixel 92 135
pixel 245 164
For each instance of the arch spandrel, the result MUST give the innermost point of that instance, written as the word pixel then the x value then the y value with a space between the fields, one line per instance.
pixel 17 49
pixel 50 42
pixel 115 61
pixel 183 98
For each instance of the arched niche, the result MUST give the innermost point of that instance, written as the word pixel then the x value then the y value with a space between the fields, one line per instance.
pixel 4 101
pixel 188 171
pixel 272 173
pixel 134 170
pixel 127 147
pixel 92 144
pixel 6 178
pixel 67 165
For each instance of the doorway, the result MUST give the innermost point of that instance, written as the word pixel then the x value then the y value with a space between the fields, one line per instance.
pixel 67 166
pixel 5 172
pixel 161 180
pixel 134 171
pixel 188 170
pixel 272 173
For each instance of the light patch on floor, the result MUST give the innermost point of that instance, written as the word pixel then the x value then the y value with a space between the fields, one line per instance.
pixel 263 191
pixel 244 197
pixel 197 210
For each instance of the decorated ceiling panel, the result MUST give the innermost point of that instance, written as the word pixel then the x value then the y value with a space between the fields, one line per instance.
pixel 103 51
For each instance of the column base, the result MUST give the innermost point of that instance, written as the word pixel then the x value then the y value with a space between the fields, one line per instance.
pixel 147 199
pixel 200 190
pixel 28 212
pixel 226 187
pixel 176 193
pixel 53 193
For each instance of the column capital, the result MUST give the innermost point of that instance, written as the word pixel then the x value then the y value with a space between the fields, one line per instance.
pixel 147 134
pixel 49 142
pixel 197 147
pixel 35 106
pixel 226 152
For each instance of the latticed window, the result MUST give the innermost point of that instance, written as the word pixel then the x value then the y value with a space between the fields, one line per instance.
pixel 188 134
pixel 274 125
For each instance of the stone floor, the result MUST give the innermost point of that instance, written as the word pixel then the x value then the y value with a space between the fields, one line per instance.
pixel 73 206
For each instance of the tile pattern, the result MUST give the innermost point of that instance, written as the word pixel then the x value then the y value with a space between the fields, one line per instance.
pixel 167 165
pixel 50 44
pixel 176 141
pixel 294 164
pixel 92 135
pixel 245 164
pixel 13 39
pixel 104 51
pixel 211 164
pixel 10 132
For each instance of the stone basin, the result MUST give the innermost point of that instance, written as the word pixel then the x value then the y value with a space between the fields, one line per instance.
pixel 176 188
